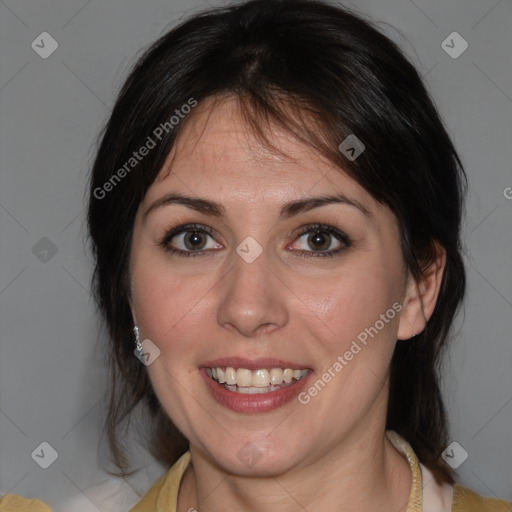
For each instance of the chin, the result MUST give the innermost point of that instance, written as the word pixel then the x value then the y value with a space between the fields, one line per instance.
pixel 251 459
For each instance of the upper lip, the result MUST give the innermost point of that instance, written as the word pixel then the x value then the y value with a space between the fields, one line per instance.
pixel 258 363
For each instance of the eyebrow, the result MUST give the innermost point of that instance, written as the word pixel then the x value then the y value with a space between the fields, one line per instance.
pixel 290 209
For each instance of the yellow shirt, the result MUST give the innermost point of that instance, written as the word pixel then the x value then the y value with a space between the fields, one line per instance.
pixel 13 503
pixel 163 496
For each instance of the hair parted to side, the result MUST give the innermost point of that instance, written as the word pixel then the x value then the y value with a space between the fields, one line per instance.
pixel 322 73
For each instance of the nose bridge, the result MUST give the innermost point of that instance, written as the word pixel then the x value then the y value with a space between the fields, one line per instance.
pixel 251 296
pixel 252 273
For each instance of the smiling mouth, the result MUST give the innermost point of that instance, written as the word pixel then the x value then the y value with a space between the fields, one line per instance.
pixel 251 382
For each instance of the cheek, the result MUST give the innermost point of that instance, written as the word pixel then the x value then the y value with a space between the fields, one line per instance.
pixel 172 310
pixel 168 312
pixel 351 303
pixel 356 326
pixel 154 295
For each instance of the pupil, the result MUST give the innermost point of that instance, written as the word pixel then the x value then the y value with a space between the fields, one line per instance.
pixel 192 238
pixel 320 240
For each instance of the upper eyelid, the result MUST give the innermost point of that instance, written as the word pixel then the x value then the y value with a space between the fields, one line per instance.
pixel 320 227
pixel 179 230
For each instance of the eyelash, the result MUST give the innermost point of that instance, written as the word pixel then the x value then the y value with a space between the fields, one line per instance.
pixel 312 228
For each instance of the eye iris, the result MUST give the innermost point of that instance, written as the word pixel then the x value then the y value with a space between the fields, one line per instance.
pixel 194 237
pixel 320 240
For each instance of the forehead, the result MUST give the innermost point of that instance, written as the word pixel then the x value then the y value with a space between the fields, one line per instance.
pixel 217 152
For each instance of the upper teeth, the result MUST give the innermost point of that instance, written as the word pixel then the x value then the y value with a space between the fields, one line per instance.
pixel 255 378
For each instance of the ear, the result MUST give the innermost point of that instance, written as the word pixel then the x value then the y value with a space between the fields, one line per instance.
pixel 421 296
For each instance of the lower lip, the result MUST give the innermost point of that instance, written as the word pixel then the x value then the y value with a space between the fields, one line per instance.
pixel 261 402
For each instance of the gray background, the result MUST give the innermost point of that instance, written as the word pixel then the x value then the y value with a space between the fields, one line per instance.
pixel 52 371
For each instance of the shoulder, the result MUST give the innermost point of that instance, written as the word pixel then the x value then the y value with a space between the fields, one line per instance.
pixel 466 500
pixel 14 503
pixel 109 495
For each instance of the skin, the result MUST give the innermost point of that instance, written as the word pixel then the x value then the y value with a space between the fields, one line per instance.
pixel 284 305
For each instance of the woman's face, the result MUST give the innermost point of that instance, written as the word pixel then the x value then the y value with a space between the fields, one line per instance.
pixel 257 284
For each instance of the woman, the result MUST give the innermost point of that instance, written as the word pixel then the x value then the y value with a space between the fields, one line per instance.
pixel 275 213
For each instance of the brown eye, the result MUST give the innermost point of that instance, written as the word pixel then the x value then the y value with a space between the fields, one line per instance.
pixel 319 240
pixel 189 240
pixel 194 240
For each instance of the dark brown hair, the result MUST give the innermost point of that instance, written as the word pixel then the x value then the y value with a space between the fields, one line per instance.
pixel 323 73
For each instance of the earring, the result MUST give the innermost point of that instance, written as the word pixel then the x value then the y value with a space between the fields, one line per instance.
pixel 138 350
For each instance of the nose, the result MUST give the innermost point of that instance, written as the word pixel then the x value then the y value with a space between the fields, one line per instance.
pixel 253 300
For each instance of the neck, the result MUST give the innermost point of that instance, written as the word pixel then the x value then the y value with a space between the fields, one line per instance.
pixel 364 473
